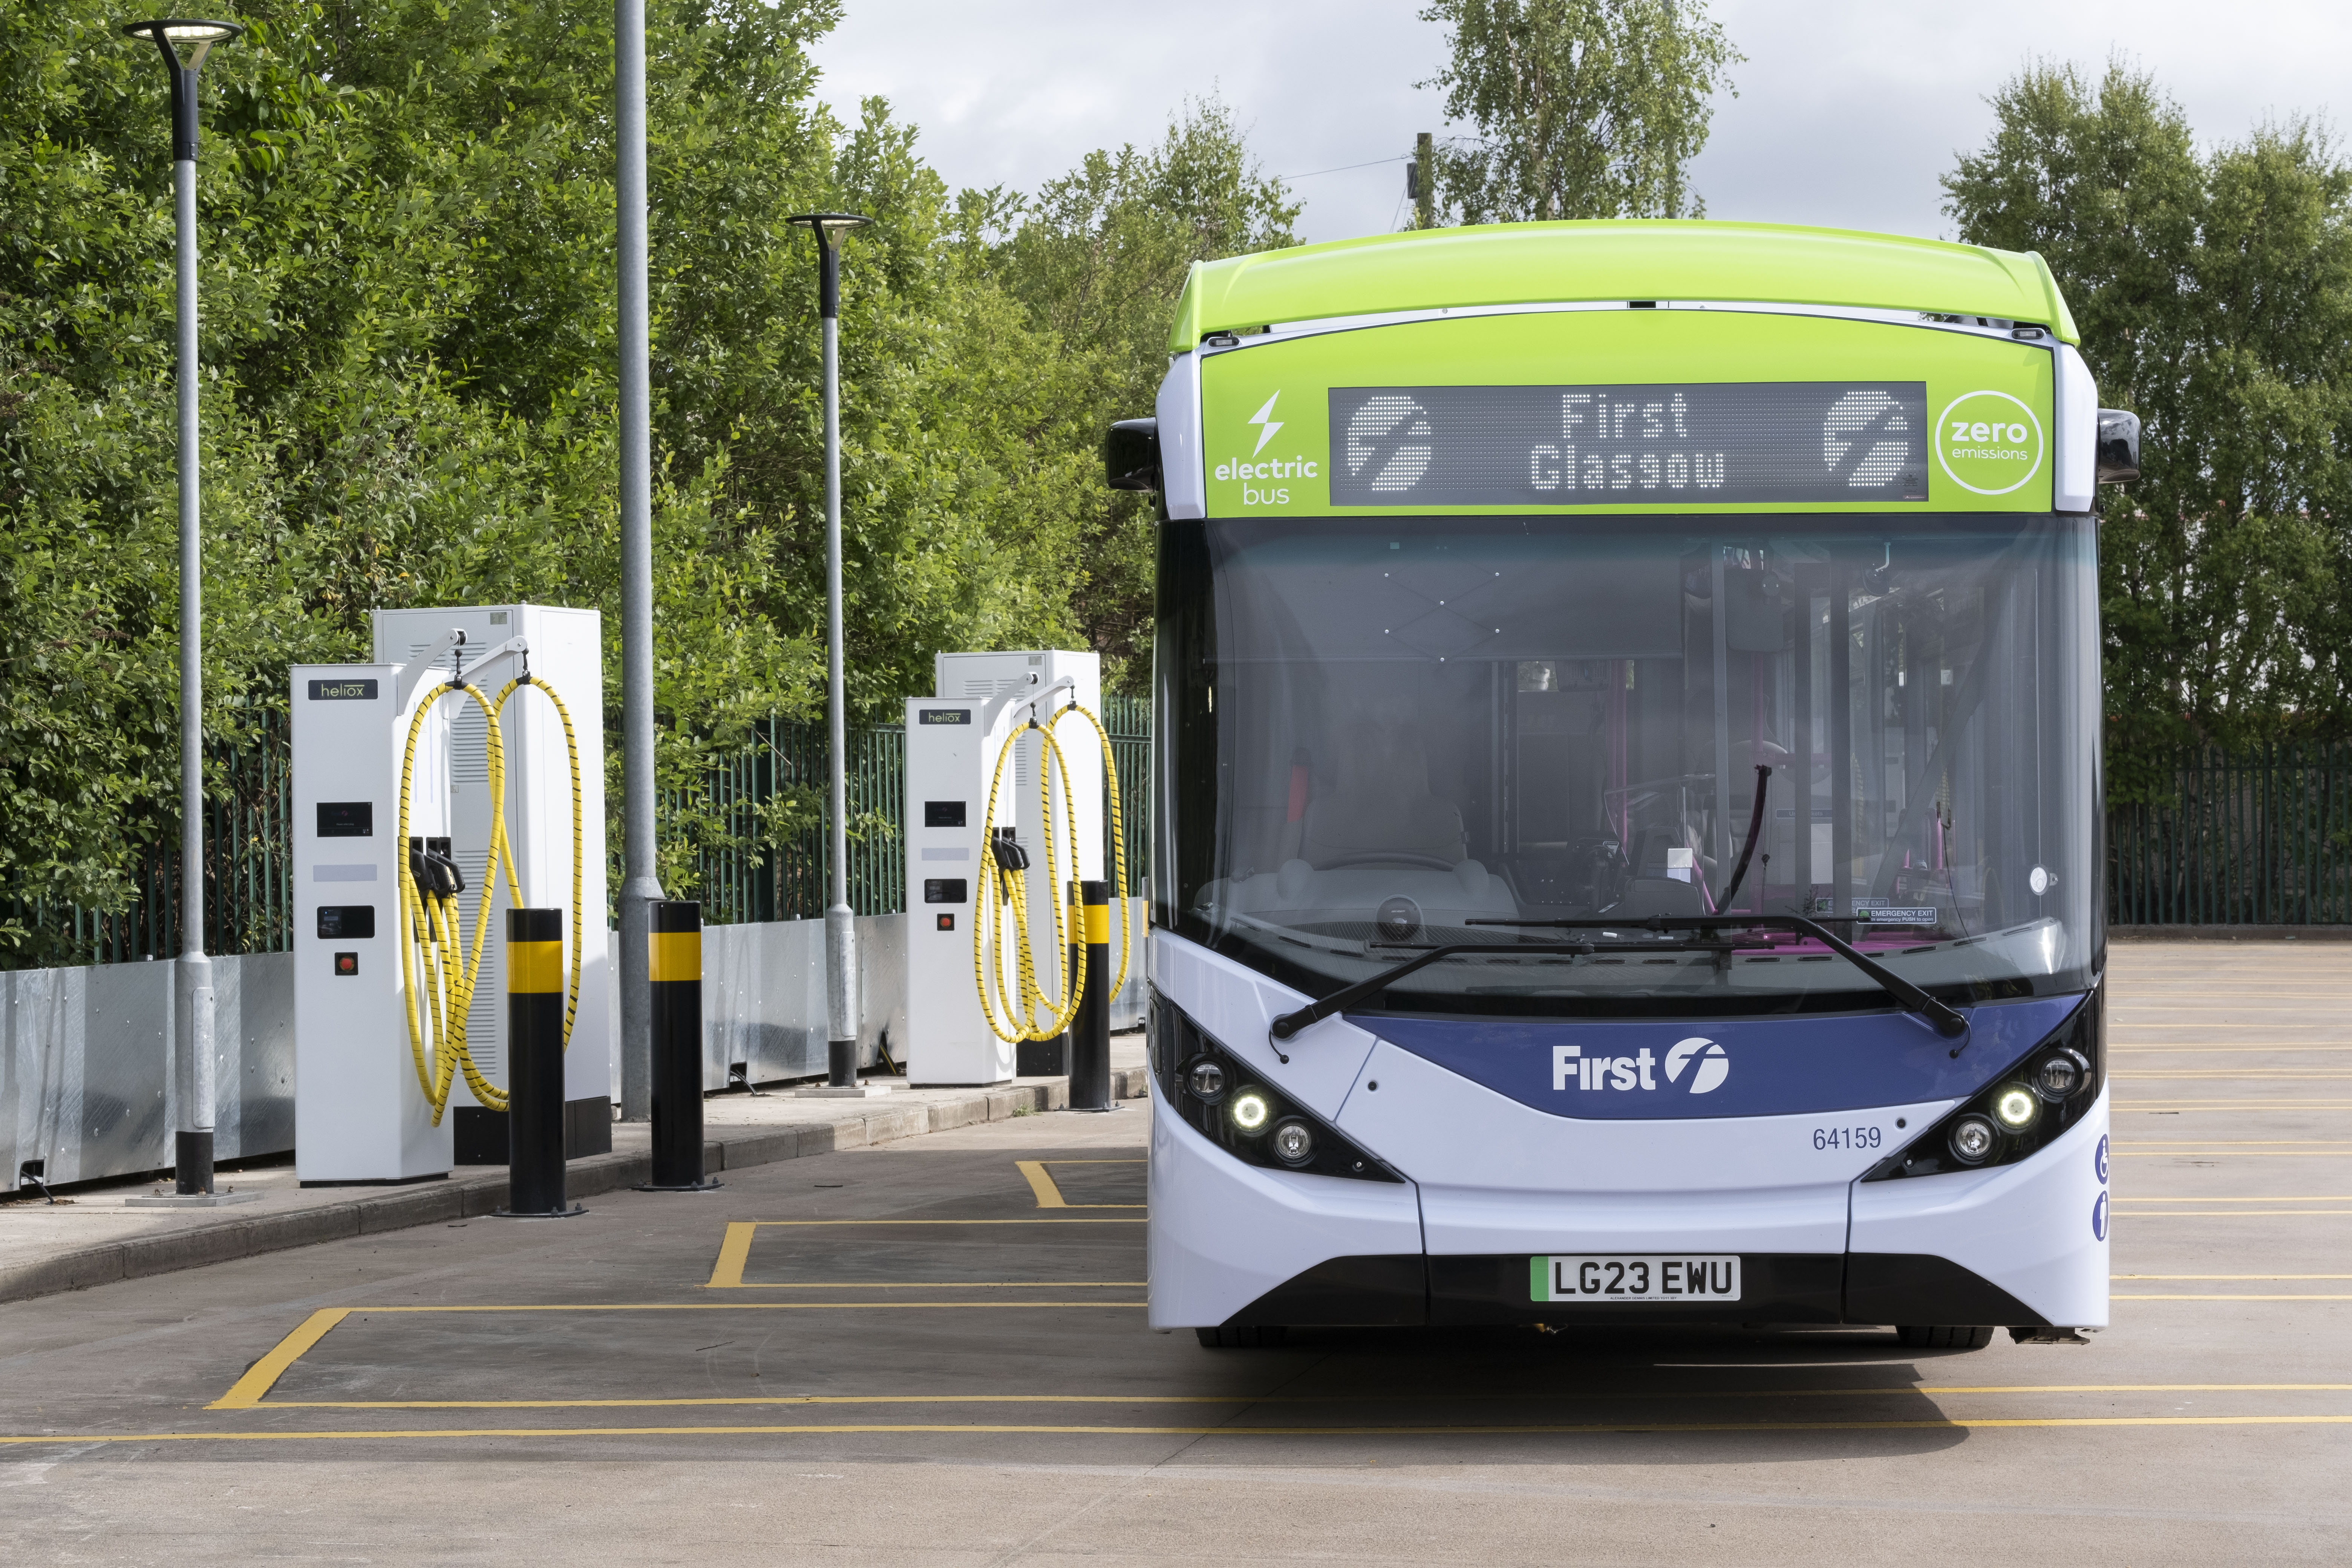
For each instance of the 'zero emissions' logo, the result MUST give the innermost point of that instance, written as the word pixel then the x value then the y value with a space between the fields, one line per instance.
pixel 1572 1068
pixel 1989 443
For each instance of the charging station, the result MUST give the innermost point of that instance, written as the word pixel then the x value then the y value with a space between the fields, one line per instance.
pixel 361 1115
pixel 954 741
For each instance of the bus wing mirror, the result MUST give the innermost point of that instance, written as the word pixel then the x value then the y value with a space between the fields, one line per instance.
pixel 2119 455
pixel 1132 455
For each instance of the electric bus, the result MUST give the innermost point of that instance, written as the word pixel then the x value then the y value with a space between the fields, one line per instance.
pixel 1626 782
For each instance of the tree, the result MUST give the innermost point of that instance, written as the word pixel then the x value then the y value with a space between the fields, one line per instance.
pixel 2214 295
pixel 406 211
pixel 1583 109
pixel 1097 260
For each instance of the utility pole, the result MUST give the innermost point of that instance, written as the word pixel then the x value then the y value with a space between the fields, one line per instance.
pixel 1425 180
pixel 641 884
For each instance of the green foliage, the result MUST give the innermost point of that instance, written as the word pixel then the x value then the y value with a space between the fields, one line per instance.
pixel 2214 294
pixel 1097 261
pixel 1583 109
pixel 405 212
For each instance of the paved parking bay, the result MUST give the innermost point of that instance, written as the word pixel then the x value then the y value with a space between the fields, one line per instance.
pixel 934 1352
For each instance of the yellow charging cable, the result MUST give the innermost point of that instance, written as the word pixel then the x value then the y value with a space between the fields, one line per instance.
pixel 1019 1008
pixel 435 959
pixel 572 751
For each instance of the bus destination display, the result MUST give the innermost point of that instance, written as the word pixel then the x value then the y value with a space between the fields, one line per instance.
pixel 1596 446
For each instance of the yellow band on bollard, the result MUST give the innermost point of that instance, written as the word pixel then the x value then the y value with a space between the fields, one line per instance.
pixel 533 966
pixel 674 955
pixel 1098 925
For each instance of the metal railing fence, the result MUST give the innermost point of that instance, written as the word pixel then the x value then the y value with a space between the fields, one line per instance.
pixel 2258 836
pixel 751 871
pixel 761 854
pixel 249 903
pixel 770 859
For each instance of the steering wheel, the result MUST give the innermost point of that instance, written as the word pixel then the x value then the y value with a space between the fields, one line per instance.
pixel 1389 858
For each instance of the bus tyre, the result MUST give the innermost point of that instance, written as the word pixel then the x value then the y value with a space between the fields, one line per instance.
pixel 1918 1338
pixel 1246 1337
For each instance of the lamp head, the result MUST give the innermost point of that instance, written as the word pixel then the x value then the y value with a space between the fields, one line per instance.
pixel 826 224
pixel 184 40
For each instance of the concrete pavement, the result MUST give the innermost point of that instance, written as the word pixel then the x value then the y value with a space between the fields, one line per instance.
pixel 929 1351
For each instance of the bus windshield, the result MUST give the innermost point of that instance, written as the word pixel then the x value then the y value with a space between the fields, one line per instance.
pixel 1378 732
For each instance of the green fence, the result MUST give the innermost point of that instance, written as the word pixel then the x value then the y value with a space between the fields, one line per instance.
pixel 248 899
pixel 767 861
pixel 757 874
pixel 2262 836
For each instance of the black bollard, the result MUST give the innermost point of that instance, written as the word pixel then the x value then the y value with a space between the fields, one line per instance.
pixel 1090 1030
pixel 535 1066
pixel 674 964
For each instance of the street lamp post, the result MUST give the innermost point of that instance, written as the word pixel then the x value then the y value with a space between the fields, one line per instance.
pixel 184 44
pixel 840 924
pixel 641 881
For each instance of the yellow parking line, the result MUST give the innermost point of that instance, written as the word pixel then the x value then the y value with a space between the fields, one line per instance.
pixel 247 1391
pixel 2123 1211
pixel 2146 1106
pixel 2130 1296
pixel 2270 1049
pixel 2316 1198
pixel 2228 1075
pixel 946 1285
pixel 1253 1399
pixel 697 1306
pixel 2230 1275
pixel 734 1252
pixel 1600 1428
pixel 1049 1195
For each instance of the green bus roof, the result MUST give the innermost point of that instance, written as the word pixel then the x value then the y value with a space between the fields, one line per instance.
pixel 1534 263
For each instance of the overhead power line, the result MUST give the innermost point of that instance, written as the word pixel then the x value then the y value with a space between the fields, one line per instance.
pixel 1401 158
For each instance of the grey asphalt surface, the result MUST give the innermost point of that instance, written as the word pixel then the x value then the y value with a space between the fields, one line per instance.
pixel 910 1354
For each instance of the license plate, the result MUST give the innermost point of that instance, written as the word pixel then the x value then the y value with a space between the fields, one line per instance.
pixel 1666 1277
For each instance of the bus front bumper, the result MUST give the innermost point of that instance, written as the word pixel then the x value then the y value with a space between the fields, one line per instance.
pixel 2014 1246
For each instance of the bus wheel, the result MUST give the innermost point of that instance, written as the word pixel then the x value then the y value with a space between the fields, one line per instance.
pixel 1943 1339
pixel 1246 1337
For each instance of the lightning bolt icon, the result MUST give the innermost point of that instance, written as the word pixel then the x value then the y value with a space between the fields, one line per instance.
pixel 1267 424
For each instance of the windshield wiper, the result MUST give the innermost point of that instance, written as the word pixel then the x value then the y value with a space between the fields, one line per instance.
pixel 1947 1021
pixel 1287 1024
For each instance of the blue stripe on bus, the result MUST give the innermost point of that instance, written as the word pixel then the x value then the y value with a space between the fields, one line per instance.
pixel 1639 1070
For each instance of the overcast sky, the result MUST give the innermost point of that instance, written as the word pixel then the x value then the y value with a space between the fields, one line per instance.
pixel 1847 111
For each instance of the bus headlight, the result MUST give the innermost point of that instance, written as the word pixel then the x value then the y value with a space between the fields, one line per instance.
pixel 1973 1139
pixel 1207 1081
pixel 1292 1141
pixel 2021 1108
pixel 2060 1074
pixel 1223 1098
